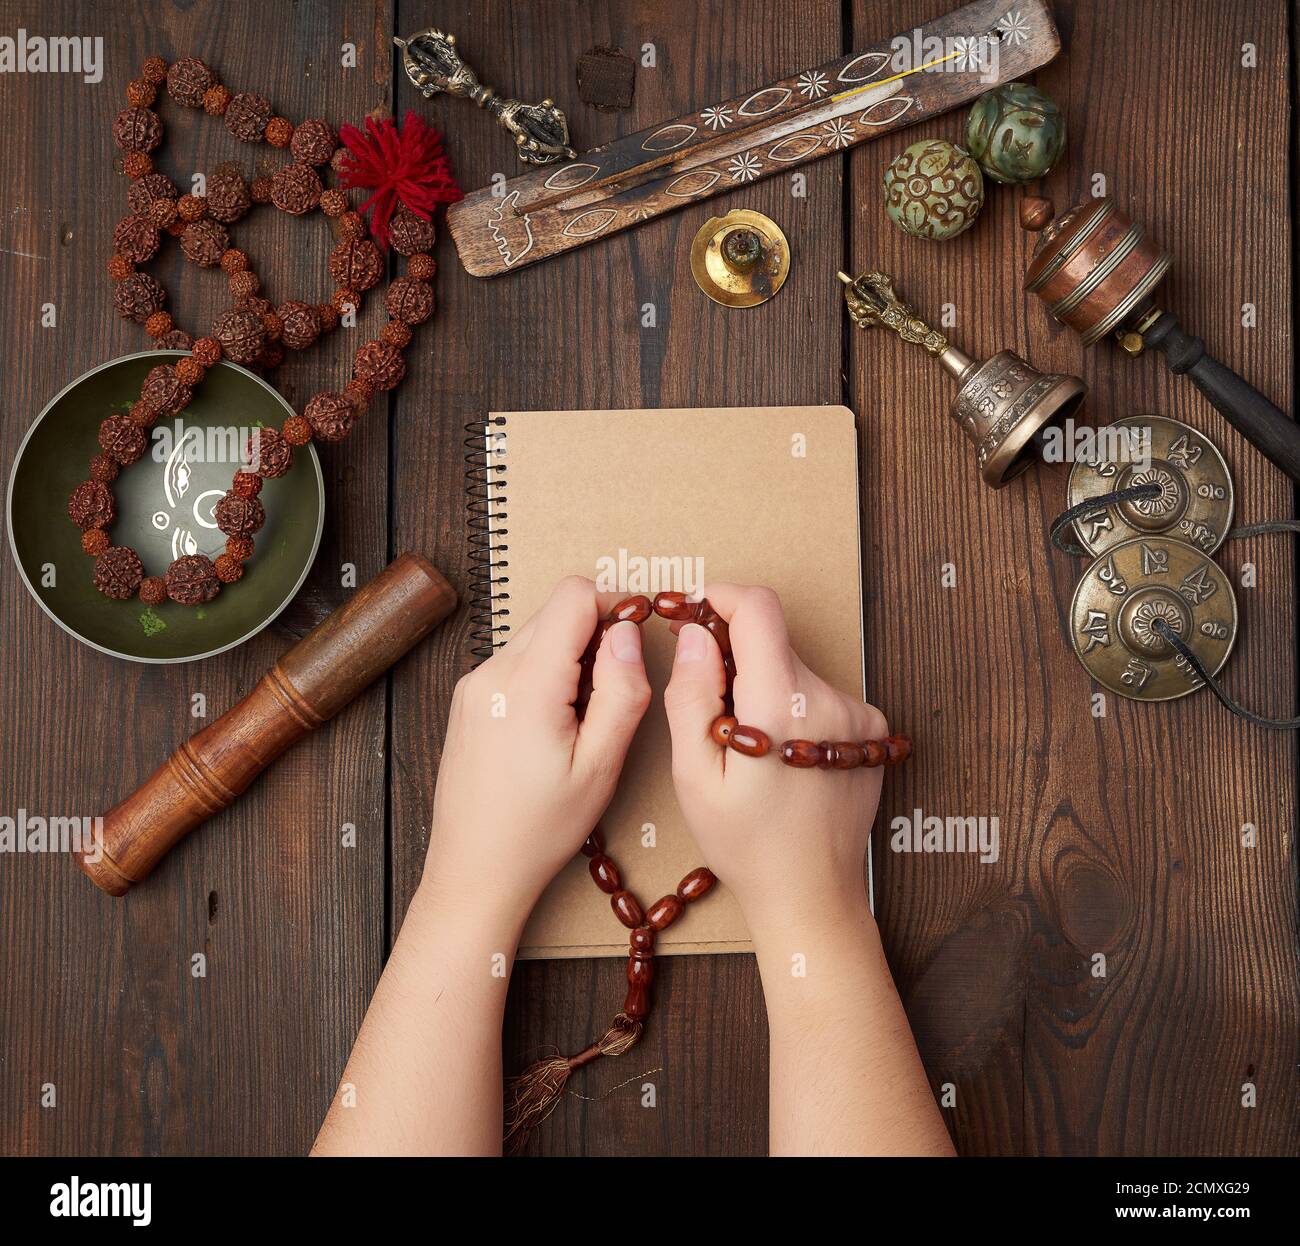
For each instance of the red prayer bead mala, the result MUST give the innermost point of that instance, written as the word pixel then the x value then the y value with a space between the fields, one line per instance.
pixel 253 331
pixel 534 1093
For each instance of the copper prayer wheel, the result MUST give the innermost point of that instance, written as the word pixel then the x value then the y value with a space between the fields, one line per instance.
pixel 1094 268
pixel 1003 404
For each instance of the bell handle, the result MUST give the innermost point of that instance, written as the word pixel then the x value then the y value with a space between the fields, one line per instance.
pixel 1273 433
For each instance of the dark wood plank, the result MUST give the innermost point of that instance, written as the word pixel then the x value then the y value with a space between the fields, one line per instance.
pixel 1119 834
pixel 566 334
pixel 96 994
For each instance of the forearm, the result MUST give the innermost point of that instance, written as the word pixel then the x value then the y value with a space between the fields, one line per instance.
pixel 846 1078
pixel 424 1077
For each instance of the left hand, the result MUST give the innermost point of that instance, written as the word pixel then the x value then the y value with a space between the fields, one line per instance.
pixel 522 781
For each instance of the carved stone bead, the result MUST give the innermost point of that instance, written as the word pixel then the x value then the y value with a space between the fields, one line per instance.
pixel 187 80
pixel 136 237
pixel 138 297
pixel 138 129
pixel 330 416
pixel 356 264
pixel 241 333
pixel 118 572
pixel 299 324
pixel 247 115
pixel 933 189
pixel 296 189
pixel 192 580
pixel 411 302
pixel 237 515
pixel 410 233
pixel 204 242
pixel 91 505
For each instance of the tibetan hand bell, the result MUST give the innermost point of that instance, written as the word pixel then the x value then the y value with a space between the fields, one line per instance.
pixel 1097 271
pixel 1003 405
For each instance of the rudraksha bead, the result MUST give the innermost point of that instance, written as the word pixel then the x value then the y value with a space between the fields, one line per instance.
pixel 119 267
pixel 233 261
pixel 272 356
pixel 356 264
pixel 381 365
pixel 328 316
pixel 159 324
pixel 241 334
pixel 243 285
pixel 340 160
pixel 279 132
pixel 143 194
pixel 228 569
pixel 236 515
pixel 422 267
pixel 697 883
pixel 259 189
pixel 228 197
pixel 397 334
pixel 330 416
pixel 162 212
pixel 296 189
pixel 240 547
pixel 313 142
pixel 299 324
pixel 627 909
pixel 91 505
pixel 410 233
pixel 143 413
pixel 192 580
pixel 605 874
pixel 333 203
pixel 345 300
pixel 663 912
pixel 154 70
pixel 94 541
pixel 164 391
pixel 177 339
pixel 136 164
pixel 410 300
pixel 118 572
pixel 103 468
pixel 207 350
pixel 137 129
pixel 122 439
pixel 246 116
pixel 358 392
pixel 187 81
pixel 153 590
pixel 268 454
pixel 136 238
pixel 216 100
pixel 247 484
pixel 191 208
pixel 189 371
pixel 141 93
pixel 750 741
pixel 722 728
pixel 204 242
pixel 351 226
pixel 801 754
pixel 296 431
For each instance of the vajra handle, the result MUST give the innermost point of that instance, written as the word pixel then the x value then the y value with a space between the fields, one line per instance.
pixel 871 301
pixel 1244 407
pixel 433 64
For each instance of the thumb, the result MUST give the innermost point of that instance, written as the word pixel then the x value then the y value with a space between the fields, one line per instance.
pixel 620 693
pixel 693 699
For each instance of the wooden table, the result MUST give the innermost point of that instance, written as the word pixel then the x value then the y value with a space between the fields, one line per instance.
pixel 1120 833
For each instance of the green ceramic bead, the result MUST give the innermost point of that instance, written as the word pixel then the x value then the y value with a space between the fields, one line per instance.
pixel 933 190
pixel 1016 132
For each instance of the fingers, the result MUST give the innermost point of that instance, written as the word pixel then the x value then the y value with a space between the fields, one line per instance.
pixel 555 639
pixel 693 699
pixel 619 696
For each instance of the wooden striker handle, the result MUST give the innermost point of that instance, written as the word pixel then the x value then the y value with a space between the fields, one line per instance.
pixel 310 683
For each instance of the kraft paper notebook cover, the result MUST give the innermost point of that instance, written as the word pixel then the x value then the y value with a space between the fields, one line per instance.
pixel 640 501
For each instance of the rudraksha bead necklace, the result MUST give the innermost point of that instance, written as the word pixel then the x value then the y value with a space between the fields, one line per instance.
pixel 253 331
pixel 534 1093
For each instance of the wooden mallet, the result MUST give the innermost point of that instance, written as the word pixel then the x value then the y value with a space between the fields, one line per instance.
pixel 325 670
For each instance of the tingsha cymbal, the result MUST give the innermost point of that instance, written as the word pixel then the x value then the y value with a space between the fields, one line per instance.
pixel 741 259
pixel 1122 596
pixel 1195 499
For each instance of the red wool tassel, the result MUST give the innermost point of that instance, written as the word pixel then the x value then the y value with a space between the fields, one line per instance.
pixel 402 167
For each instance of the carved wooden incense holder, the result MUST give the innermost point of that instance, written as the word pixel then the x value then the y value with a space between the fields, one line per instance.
pixel 315 679
pixel 896 82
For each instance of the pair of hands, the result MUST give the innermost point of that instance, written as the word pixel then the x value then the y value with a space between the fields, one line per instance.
pixel 523 781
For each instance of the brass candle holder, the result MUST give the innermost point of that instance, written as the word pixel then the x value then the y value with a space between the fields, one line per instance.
pixel 1002 405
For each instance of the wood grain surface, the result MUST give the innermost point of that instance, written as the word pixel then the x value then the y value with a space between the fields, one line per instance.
pixel 1120 835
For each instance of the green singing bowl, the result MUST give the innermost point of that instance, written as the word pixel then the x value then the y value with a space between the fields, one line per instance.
pixel 164 510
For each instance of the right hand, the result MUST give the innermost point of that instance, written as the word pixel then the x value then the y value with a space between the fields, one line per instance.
pixel 791 844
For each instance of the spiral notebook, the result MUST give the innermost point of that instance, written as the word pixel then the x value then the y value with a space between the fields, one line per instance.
pixel 648 501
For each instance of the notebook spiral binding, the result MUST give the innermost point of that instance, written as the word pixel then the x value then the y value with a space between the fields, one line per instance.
pixel 485 481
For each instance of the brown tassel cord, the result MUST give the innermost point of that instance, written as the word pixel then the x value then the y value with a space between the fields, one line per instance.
pixel 536 1092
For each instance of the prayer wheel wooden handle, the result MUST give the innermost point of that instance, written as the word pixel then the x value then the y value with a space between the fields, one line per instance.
pixel 325 670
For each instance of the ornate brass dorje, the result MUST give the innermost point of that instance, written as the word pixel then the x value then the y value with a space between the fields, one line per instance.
pixel 871 301
pixel 433 64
